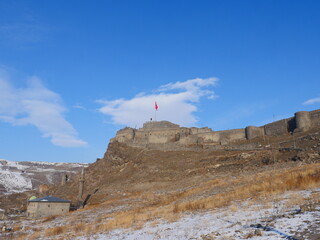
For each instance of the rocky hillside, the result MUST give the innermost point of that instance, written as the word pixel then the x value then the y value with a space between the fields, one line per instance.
pixel 22 176
pixel 131 186
pixel 125 169
pixel 196 194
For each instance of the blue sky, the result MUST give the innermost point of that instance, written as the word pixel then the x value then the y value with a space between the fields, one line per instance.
pixel 72 73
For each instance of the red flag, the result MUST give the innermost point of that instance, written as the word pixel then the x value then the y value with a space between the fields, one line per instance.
pixel 156 106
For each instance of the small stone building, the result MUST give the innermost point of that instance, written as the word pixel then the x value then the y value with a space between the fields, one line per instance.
pixel 47 206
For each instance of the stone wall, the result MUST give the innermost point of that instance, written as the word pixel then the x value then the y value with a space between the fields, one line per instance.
pixel 314 117
pixel 126 134
pixel 45 209
pixel 164 132
pixel 159 125
pixel 253 132
pixel 303 121
pixel 276 128
pixel 158 136
pixel 221 137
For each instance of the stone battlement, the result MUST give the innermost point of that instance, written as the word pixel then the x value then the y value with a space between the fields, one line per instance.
pixel 164 132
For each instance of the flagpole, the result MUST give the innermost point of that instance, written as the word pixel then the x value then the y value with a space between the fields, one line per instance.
pixel 155 111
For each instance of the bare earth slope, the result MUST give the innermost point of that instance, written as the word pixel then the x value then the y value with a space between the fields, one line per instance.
pixel 126 169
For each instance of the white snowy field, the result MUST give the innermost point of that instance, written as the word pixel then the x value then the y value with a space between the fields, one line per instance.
pixel 14 180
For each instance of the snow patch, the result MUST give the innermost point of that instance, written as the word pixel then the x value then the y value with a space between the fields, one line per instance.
pixel 14 181
pixel 18 176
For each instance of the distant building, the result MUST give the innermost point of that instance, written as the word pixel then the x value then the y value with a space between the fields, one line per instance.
pixel 47 206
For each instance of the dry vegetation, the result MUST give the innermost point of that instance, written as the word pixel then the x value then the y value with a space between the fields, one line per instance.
pixel 55 231
pixel 157 186
pixel 262 186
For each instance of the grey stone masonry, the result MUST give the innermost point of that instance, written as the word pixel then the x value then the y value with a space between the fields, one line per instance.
pixel 154 133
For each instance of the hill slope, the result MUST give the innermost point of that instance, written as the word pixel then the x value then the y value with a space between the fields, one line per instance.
pixel 132 185
pixel 125 169
pixel 22 176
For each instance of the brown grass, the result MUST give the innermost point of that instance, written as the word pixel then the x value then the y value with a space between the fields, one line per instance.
pixel 168 207
pixel 23 236
pixel 35 235
pixel 80 227
pixel 294 200
pixel 55 231
pixel 260 186
pixel 16 227
pixel 315 197
pixel 149 207
pixel 50 218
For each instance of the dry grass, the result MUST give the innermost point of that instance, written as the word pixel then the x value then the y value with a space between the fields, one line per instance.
pixel 55 231
pixel 233 208
pixel 35 235
pixel 48 219
pixel 261 186
pixel 16 227
pixel 315 196
pixel 168 207
pixel 23 236
pixel 294 200
pixel 80 227
pixel 151 207
pixel 73 220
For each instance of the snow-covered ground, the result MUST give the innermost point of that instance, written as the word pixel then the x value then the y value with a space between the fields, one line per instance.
pixel 19 176
pixel 216 226
pixel 14 181
pixel 272 218
pixel 236 222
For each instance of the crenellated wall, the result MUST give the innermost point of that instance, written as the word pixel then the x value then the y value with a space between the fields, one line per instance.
pixel 164 132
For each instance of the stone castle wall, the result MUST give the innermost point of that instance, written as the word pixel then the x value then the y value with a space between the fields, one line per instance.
pixel 315 116
pixel 164 132
pixel 276 128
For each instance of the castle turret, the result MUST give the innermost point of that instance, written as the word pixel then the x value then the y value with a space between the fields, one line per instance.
pixel 303 121
pixel 253 132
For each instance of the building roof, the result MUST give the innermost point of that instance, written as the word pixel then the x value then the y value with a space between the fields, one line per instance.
pixel 49 199
pixel 33 197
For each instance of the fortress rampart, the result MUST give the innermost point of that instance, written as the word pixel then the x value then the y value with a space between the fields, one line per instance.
pixel 154 133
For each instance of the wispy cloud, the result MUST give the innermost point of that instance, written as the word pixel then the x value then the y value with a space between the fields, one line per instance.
pixel 36 105
pixel 78 106
pixel 312 101
pixel 24 32
pixel 177 103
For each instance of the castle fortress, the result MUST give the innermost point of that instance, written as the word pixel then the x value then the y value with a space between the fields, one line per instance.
pixel 166 133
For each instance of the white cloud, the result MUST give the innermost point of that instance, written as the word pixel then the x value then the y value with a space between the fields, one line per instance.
pixel 176 101
pixel 312 101
pixel 36 105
